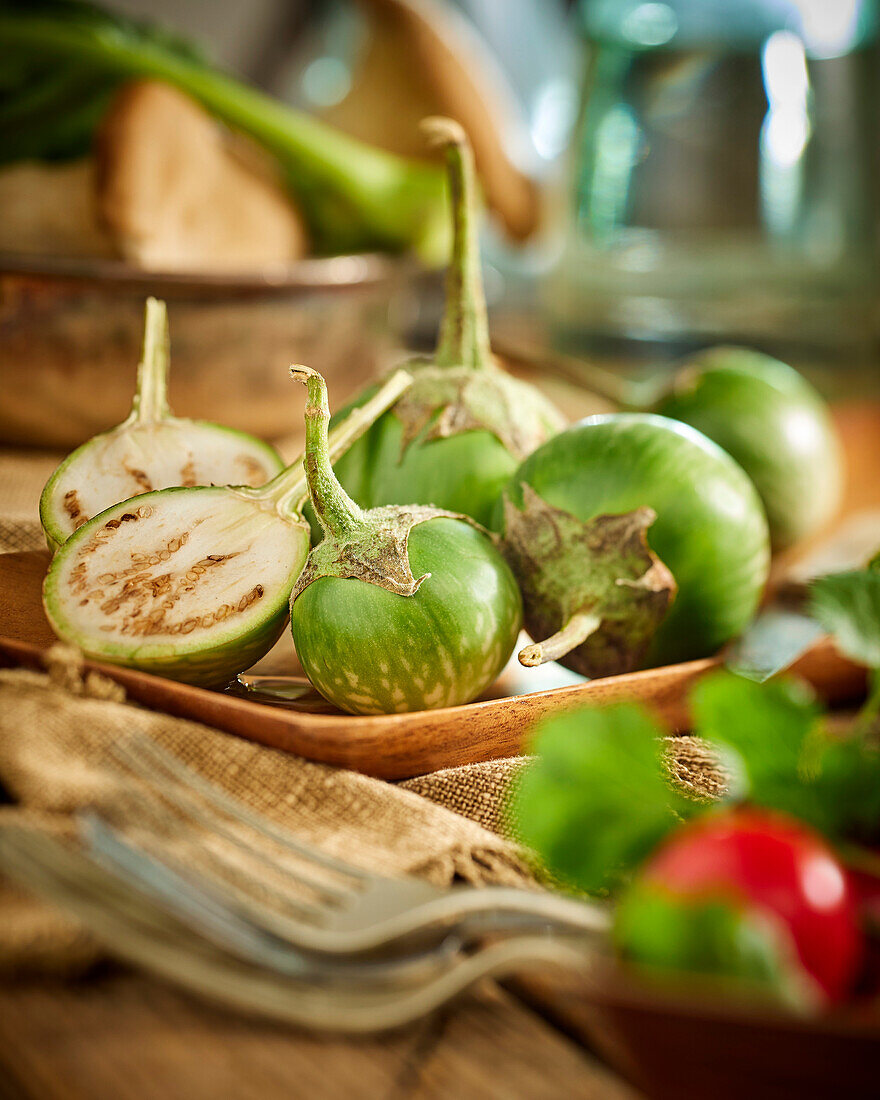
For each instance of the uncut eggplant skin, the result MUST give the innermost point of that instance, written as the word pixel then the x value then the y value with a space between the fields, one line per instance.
pixel 710 529
pixel 769 418
pixel 60 514
pixel 371 651
pixel 463 473
pixel 189 657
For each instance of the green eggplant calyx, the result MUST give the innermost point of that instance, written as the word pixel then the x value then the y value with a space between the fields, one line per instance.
pixel 151 398
pixel 377 553
pixel 464 331
pixel 594 589
pixel 445 401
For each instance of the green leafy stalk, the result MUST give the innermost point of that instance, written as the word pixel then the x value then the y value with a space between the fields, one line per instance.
pixel 354 196
pixel 848 606
pixel 784 758
pixel 464 331
pixel 668 937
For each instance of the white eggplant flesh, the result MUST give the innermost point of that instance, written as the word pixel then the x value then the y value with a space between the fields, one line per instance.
pixel 192 584
pixel 140 458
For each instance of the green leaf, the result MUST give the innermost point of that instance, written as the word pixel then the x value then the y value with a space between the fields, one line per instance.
pixel 848 781
pixel 663 933
pixel 596 801
pixel 848 606
pixel 766 726
pixel 785 759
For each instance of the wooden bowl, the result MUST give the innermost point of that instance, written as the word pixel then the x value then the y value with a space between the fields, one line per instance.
pixel 71 330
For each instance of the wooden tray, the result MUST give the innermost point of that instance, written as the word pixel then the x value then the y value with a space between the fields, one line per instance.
pixel 394 746
pixel 399 746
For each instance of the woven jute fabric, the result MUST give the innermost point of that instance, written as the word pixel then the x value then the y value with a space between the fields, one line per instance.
pixel 56 758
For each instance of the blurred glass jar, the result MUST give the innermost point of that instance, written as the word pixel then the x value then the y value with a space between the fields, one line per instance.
pixel 723 181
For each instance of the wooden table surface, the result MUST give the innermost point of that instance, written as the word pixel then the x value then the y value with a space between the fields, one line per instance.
pixel 121 1036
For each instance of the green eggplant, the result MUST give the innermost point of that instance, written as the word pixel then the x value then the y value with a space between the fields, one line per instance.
pixel 460 431
pixel 191 583
pixel 399 608
pixel 636 542
pixel 149 450
pixel 764 413
pixel 774 423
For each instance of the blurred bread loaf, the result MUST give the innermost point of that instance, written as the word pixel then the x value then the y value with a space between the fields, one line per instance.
pixel 176 192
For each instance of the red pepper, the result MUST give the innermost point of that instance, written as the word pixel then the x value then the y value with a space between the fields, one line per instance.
pixel 774 865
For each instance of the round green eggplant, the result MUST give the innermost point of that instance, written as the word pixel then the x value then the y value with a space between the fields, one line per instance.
pixel 399 608
pixel 151 449
pixel 371 651
pixel 776 426
pixel 458 434
pixel 586 518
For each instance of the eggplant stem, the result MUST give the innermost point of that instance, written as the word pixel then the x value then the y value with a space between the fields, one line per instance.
pixel 289 489
pixel 150 403
pixel 578 628
pixel 340 517
pixel 464 330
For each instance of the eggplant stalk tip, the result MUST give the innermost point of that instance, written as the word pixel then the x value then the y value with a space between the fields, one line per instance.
pixel 150 403
pixel 289 490
pixel 340 517
pixel 576 631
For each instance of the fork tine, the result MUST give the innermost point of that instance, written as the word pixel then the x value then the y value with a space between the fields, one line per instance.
pixel 218 867
pixel 207 914
pixel 170 882
pixel 150 760
pixel 326 894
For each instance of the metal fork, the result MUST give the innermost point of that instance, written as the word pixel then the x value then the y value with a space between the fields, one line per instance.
pixel 141 932
pixel 330 907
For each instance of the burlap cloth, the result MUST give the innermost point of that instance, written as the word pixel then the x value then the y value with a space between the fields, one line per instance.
pixel 57 731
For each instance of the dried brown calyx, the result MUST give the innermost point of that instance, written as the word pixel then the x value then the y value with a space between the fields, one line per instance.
pixel 593 590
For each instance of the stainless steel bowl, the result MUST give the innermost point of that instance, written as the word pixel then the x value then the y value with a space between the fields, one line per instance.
pixel 70 334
